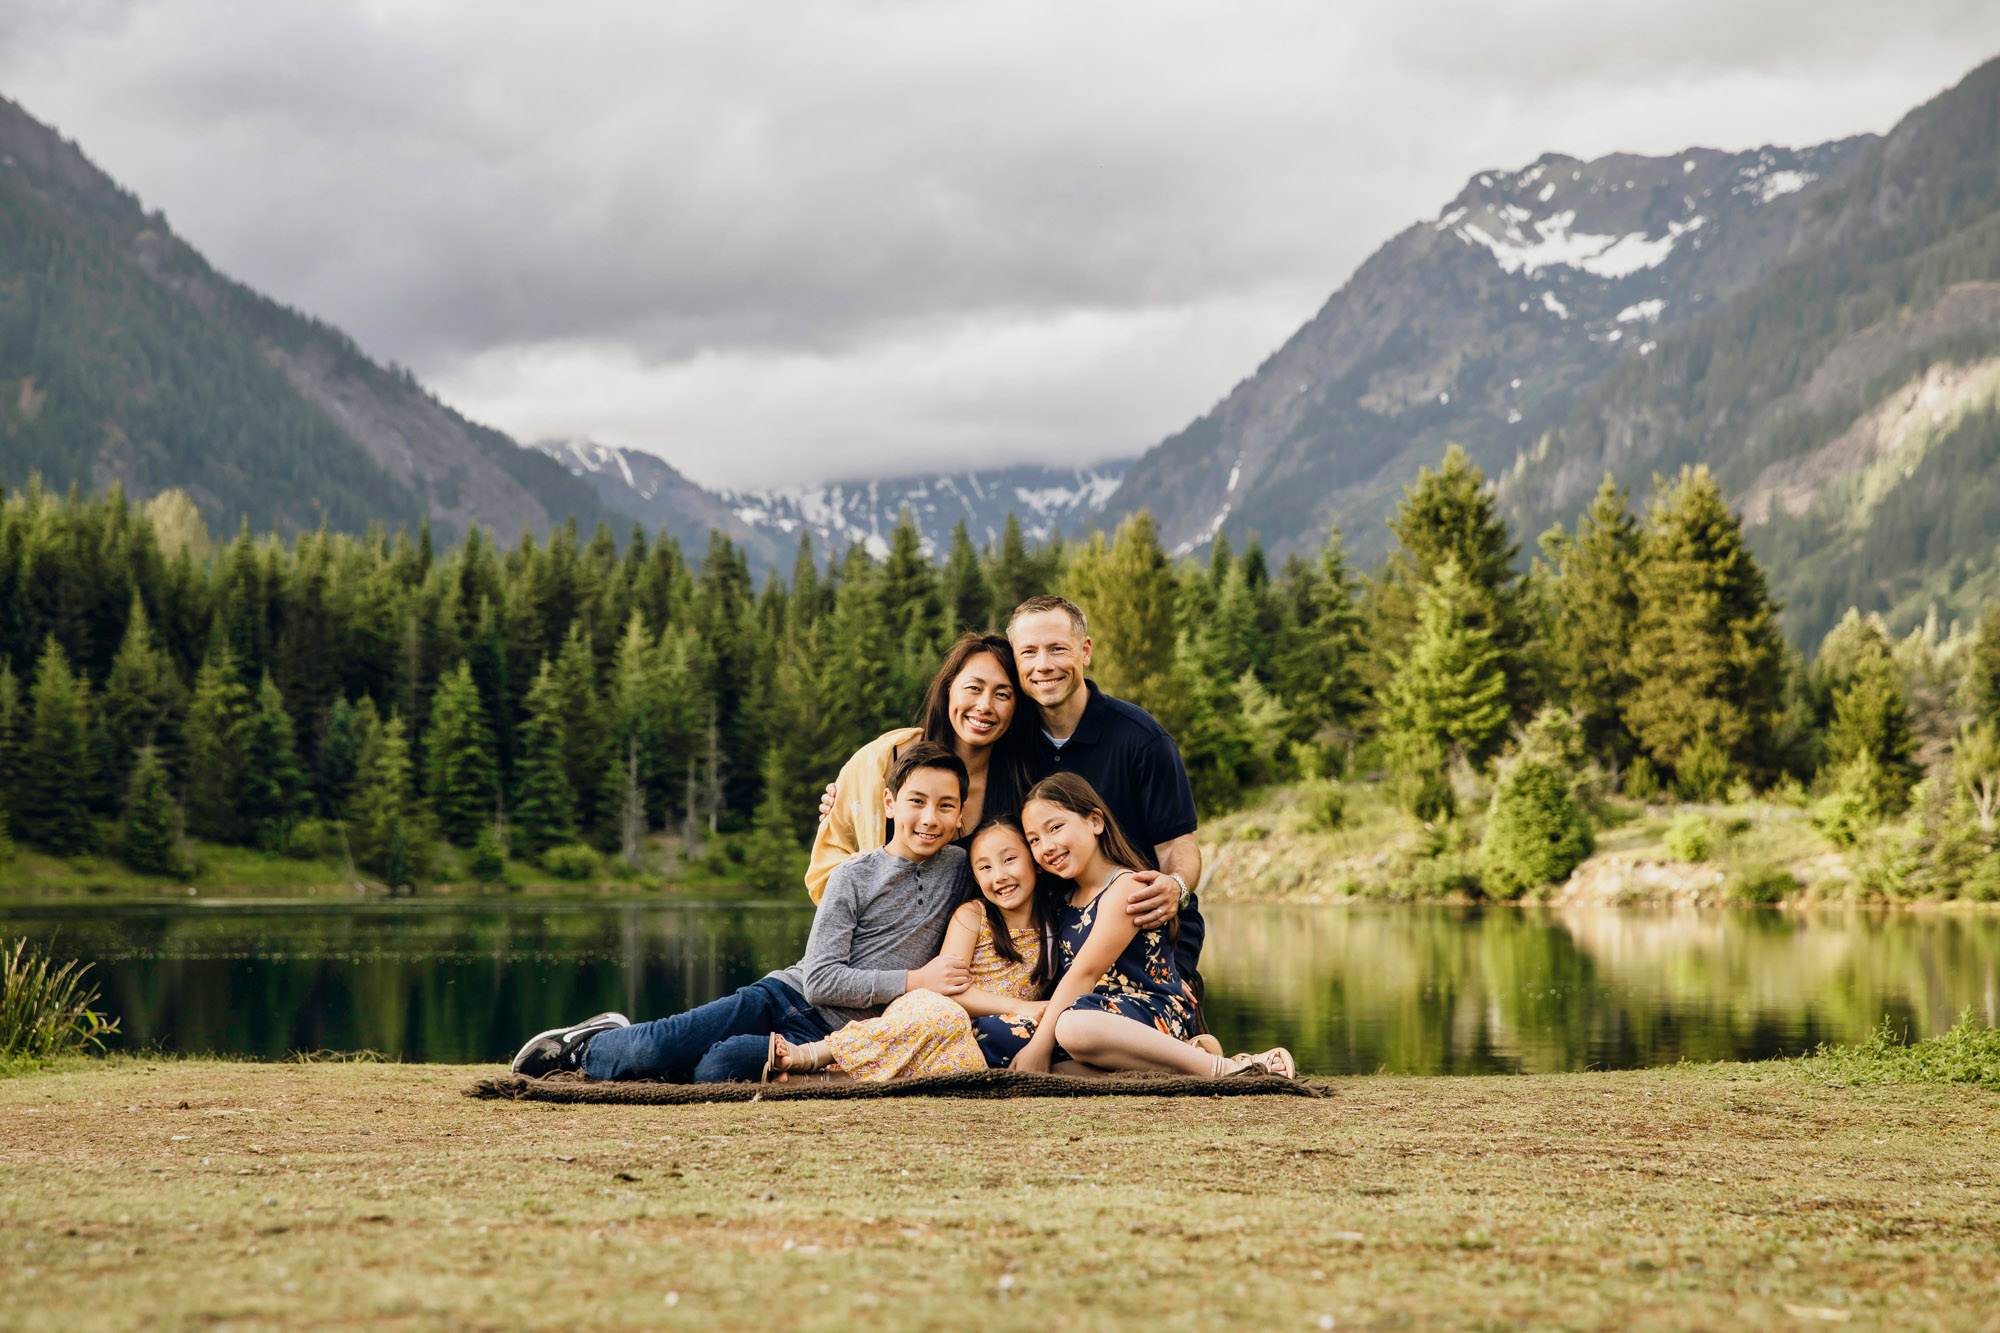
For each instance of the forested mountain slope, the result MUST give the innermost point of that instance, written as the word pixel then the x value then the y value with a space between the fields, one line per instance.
pixel 1482 327
pixel 124 357
pixel 1847 401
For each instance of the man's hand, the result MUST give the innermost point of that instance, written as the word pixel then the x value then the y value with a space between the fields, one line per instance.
pixel 946 974
pixel 1156 901
pixel 826 802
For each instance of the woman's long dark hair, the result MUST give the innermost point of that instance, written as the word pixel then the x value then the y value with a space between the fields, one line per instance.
pixel 1011 769
pixel 1042 904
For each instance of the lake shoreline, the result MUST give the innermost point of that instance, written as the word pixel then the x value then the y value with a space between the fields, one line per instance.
pixel 141 1192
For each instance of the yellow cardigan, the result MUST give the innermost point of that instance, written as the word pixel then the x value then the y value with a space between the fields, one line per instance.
pixel 857 823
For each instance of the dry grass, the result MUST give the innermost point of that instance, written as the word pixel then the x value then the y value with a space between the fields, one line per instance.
pixel 198 1193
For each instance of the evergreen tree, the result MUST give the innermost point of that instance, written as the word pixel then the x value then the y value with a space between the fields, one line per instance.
pixel 1015 577
pixel 1320 647
pixel 272 795
pixel 586 743
pixel 1131 608
pixel 56 770
pixel 1535 834
pixel 459 771
pixel 1706 659
pixel 385 827
pixel 339 756
pixel 968 598
pixel 1982 668
pixel 13 746
pixel 544 805
pixel 1869 742
pixel 1594 613
pixel 138 699
pixel 774 858
pixel 151 828
pixel 212 746
pixel 1447 698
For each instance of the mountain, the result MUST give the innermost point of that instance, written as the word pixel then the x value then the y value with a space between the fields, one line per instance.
pixel 1849 401
pixel 125 357
pixel 767 522
pixel 1484 326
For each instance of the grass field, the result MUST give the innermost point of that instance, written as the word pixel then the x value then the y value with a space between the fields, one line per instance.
pixel 198 1194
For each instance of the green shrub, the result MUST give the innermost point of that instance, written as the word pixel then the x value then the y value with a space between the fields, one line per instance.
pixel 46 1009
pixel 571 861
pixel 1965 1053
pixel 1843 817
pixel 1691 837
pixel 1642 780
pixel 1453 872
pixel 488 864
pixel 1535 833
pixel 1704 772
pixel 1324 802
pixel 1764 885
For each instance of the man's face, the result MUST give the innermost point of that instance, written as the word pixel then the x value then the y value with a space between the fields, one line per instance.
pixel 925 811
pixel 1050 655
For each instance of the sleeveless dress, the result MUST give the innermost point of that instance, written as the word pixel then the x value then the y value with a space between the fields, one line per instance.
pixel 924 1033
pixel 1145 983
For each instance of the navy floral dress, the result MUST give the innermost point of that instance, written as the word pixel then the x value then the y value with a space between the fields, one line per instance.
pixel 1144 985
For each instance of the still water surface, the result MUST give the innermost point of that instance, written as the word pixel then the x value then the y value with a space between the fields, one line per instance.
pixel 1349 989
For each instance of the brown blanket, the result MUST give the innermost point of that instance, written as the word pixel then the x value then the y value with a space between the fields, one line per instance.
pixel 987 1083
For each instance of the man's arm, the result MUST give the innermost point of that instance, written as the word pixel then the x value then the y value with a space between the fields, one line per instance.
pixel 1159 900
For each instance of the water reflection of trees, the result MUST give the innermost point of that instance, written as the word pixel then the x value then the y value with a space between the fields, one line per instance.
pixel 1457 990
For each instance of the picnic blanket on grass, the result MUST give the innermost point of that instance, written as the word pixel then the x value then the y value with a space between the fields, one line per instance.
pixel 985 1083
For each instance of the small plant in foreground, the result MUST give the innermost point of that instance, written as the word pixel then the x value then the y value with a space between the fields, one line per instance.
pixel 1691 837
pixel 1964 1053
pixel 45 1008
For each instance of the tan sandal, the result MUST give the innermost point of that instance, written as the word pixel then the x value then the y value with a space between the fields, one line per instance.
pixel 1274 1063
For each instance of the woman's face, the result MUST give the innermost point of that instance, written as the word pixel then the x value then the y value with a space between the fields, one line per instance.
pixel 1004 867
pixel 981 703
pixel 1062 840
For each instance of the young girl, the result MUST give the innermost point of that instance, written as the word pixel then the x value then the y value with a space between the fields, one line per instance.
pixel 999 934
pixel 1121 1004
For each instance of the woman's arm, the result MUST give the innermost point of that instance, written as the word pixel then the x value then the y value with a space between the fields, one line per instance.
pixel 1109 934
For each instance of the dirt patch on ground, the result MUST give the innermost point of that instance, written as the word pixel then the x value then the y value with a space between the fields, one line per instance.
pixel 190 1194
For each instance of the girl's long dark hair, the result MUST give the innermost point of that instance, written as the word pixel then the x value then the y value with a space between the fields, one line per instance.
pixel 1077 796
pixel 1041 907
pixel 1011 770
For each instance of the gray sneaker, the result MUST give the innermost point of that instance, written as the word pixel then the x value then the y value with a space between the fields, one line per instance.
pixel 561 1049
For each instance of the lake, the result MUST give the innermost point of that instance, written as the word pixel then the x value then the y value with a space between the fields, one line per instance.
pixel 1350 989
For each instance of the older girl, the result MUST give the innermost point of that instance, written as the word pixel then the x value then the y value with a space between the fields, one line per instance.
pixel 1121 1003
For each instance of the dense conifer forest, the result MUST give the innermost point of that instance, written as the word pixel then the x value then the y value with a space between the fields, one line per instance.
pixel 377 699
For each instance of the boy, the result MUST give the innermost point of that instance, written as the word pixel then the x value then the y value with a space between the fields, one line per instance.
pixel 875 936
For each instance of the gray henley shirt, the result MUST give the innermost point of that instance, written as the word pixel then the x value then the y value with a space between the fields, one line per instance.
pixel 880 917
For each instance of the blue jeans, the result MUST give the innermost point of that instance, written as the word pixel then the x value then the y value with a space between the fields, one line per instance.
pixel 723 1041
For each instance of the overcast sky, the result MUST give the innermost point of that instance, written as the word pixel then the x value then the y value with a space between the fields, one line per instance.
pixel 778 243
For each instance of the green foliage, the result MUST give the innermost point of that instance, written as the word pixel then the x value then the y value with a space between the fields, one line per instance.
pixel 1763 886
pixel 459 775
pixel 1595 612
pixel 1127 590
pixel 52 803
pixel 1447 698
pixel 1967 1052
pixel 271 794
pixel 1324 802
pixel 1706 661
pixel 212 742
pixel 774 858
pixel 385 825
pixel 1982 668
pixel 1705 772
pixel 1535 832
pixel 1975 768
pixel 1844 815
pixel 45 1007
pixel 150 835
pixel 139 698
pixel 1642 780
pixel 544 806
pixel 1869 741
pixel 1691 836
pixel 488 863
pixel 572 861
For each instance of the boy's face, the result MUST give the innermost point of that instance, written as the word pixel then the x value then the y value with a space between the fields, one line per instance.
pixel 925 813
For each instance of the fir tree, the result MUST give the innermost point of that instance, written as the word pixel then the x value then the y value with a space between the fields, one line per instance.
pixel 586 744
pixel 1982 668
pixel 13 743
pixel 139 696
pixel 1015 577
pixel 339 755
pixel 1706 659
pixel 150 831
pixel 1535 833
pixel 1132 616
pixel 1595 610
pixel 774 858
pixel 1869 741
pixel 1320 647
pixel 55 759
pixel 458 759
pixel 544 806
pixel 272 795
pixel 1448 697
pixel 968 598
pixel 385 827
pixel 212 746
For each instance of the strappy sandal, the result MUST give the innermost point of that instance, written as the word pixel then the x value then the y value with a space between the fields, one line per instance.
pixel 772 1050
pixel 1275 1063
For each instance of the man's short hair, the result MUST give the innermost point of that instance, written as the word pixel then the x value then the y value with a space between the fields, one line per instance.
pixel 926 754
pixel 1034 606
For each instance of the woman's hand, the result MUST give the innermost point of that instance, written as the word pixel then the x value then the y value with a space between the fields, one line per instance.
pixel 826 801
pixel 1034 1057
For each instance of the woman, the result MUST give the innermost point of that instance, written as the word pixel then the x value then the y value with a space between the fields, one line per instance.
pixel 969 706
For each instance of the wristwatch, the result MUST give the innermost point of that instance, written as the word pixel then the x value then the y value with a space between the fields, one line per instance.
pixel 1187 894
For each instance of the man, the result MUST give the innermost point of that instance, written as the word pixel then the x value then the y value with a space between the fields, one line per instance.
pixel 874 937
pixel 1123 752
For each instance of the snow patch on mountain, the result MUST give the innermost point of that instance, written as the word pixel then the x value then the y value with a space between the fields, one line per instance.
pixel 1554 243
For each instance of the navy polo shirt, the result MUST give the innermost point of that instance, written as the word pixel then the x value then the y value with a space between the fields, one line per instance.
pixel 1121 750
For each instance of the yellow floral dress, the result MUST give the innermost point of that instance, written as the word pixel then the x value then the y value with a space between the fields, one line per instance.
pixel 923 1032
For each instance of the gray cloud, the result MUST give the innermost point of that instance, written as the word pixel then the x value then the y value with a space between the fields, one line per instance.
pixel 792 241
